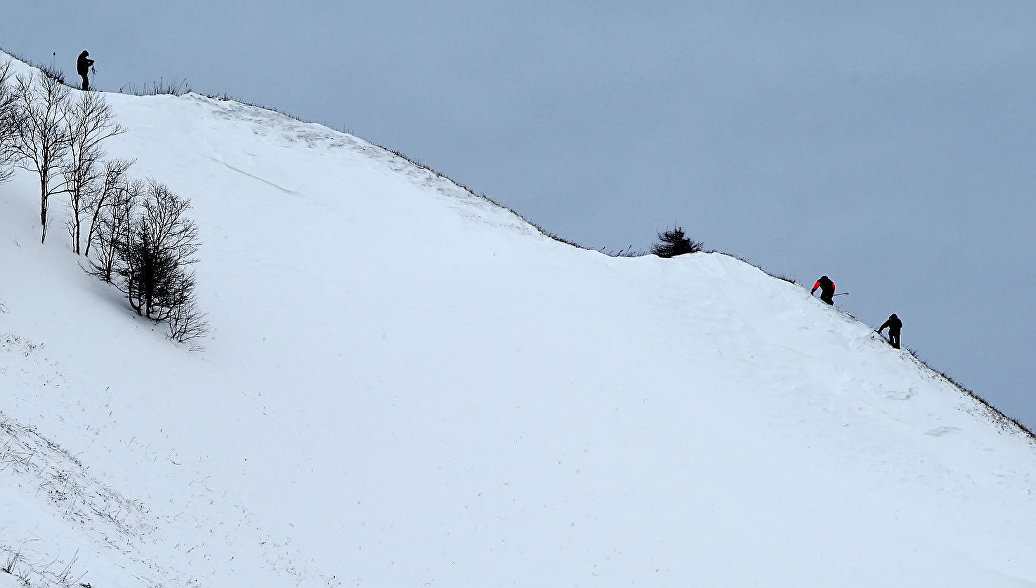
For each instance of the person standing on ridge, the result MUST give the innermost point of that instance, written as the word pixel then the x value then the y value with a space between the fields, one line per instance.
pixel 827 289
pixel 83 65
pixel 894 325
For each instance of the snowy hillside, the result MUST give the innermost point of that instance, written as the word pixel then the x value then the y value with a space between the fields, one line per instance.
pixel 407 385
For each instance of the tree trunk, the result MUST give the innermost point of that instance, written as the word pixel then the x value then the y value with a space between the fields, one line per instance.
pixel 43 203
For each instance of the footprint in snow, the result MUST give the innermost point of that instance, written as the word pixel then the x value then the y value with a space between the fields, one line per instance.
pixel 940 431
pixel 900 395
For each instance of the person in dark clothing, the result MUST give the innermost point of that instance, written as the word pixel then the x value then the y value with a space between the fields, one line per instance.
pixel 83 65
pixel 894 326
pixel 827 289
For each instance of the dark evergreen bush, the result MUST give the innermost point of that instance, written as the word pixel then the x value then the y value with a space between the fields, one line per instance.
pixel 153 259
pixel 674 242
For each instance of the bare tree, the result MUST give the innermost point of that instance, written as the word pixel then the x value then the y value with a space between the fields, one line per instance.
pixel 110 228
pixel 41 133
pixel 90 121
pixel 8 104
pixel 153 260
pixel 98 202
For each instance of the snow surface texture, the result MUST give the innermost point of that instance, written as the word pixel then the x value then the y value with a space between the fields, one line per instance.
pixel 408 385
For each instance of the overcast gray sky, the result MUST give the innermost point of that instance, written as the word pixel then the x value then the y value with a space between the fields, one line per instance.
pixel 886 144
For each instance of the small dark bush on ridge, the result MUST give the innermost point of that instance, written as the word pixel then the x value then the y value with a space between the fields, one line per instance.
pixel 674 242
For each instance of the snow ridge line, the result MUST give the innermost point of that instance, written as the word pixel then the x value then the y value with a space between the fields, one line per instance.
pixel 317 136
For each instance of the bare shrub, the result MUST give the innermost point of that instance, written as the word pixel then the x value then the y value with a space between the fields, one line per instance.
pixel 144 244
pixel 186 322
pixel 52 72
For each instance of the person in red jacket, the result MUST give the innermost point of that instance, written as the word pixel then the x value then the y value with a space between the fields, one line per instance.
pixel 894 326
pixel 827 289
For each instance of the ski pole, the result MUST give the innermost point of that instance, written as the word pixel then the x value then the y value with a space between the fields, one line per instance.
pixel 840 294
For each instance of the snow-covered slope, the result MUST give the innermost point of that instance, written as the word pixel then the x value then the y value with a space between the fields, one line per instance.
pixel 408 385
